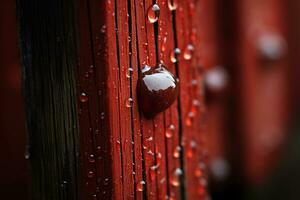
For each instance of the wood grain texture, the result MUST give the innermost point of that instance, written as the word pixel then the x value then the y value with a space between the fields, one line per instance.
pixel 49 58
pixel 90 73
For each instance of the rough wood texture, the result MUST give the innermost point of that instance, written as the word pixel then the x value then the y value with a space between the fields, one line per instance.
pixel 122 155
pixel 49 62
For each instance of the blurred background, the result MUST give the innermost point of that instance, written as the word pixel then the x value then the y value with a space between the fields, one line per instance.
pixel 253 115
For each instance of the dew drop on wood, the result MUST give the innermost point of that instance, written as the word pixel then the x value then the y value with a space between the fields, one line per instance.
pixel 129 72
pixel 90 174
pixel 174 55
pixel 172 4
pixel 188 52
pixel 170 131
pixel 153 13
pixel 140 186
pixel 83 97
pixel 91 158
pixel 129 102
pixel 176 153
pixel 175 178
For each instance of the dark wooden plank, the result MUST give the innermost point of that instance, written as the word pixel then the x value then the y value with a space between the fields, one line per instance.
pixel 48 59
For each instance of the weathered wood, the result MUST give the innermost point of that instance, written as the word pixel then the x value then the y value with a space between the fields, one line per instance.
pixel 90 72
pixel 49 62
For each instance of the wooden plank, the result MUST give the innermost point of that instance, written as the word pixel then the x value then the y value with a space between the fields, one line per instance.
pixel 264 85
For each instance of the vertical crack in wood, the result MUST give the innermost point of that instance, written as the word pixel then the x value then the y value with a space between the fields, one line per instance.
pixel 140 114
pixel 180 118
pixel 119 67
pixel 131 93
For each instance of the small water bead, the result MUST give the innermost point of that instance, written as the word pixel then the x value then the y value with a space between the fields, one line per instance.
pixel 176 153
pixel 129 102
pixel 175 179
pixel 172 4
pixel 174 55
pixel 188 52
pixel 91 158
pixel 198 173
pixel 189 118
pixel 90 174
pixel 140 186
pixel 216 79
pixel 83 97
pixel 191 150
pixel 164 44
pixel 153 170
pixel 170 131
pixel 153 13
pixel 129 72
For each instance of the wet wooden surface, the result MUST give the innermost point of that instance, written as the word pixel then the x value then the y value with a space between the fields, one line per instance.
pixel 159 158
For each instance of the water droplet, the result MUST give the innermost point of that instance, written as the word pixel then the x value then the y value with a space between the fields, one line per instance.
pixel 170 131
pixel 172 4
pixel 140 186
pixel 129 72
pixel 175 178
pixel 153 13
pixel 164 44
pixel 153 170
pixel 102 115
pixel 196 105
pixel 149 138
pixel 189 118
pixel 220 168
pixel 129 102
pixel 271 46
pixel 198 173
pixel 176 153
pixel 174 55
pixel 91 158
pixel 216 79
pixel 188 52
pixel 157 89
pixel 90 174
pixel 191 150
pixel 27 154
pixel 83 97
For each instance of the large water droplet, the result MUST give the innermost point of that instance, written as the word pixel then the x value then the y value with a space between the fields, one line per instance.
pixel 140 186
pixel 83 97
pixel 188 52
pixel 174 55
pixel 153 13
pixel 172 4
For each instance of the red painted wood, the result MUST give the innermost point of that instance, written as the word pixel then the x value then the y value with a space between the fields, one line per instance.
pixel 133 156
pixel 264 89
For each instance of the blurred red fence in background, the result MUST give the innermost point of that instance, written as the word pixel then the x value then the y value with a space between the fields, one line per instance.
pixel 237 95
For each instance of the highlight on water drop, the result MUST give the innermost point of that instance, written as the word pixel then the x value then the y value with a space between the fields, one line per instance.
pixel 153 13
